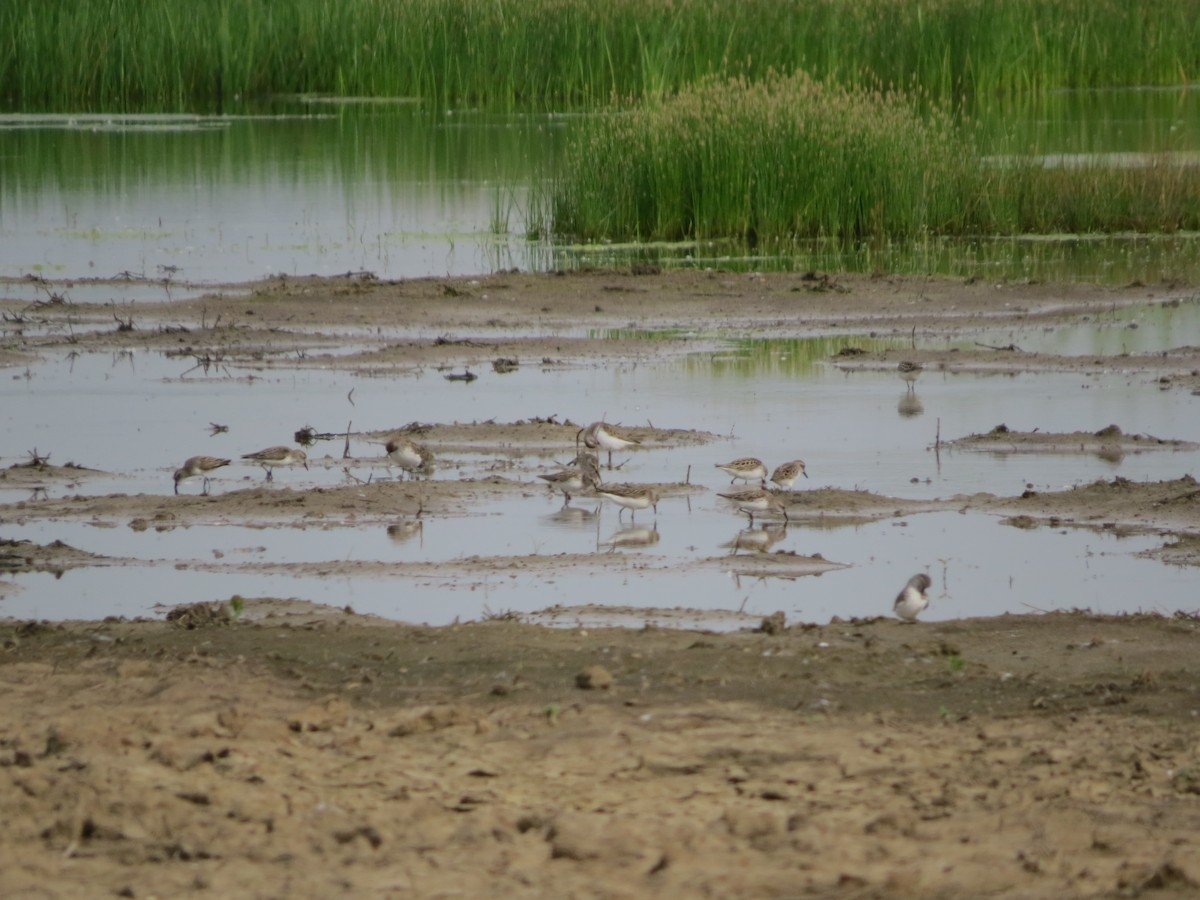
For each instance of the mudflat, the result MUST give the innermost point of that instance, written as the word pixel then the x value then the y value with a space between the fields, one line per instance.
pixel 280 749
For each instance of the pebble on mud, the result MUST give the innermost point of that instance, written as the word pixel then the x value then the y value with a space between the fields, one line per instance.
pixel 776 623
pixel 594 678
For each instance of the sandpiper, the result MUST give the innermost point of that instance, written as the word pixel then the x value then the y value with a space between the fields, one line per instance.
pixel 785 475
pixel 748 468
pixel 583 471
pixel 277 456
pixel 602 436
pixel 913 599
pixel 408 455
pixel 910 371
pixel 630 497
pixel 752 500
pixel 196 466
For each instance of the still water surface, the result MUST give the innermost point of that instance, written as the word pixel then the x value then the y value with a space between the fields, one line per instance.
pixel 855 430
pixel 325 188
pixel 181 201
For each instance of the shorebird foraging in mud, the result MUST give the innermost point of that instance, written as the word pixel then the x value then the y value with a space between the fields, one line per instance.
pixel 277 456
pixel 756 500
pixel 409 455
pixel 785 475
pixel 197 466
pixel 913 599
pixel 748 468
pixel 602 436
pixel 581 472
pixel 630 497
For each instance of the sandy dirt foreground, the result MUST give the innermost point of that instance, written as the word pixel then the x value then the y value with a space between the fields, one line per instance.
pixel 294 751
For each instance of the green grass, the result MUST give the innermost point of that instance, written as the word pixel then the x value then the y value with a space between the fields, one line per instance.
pixel 174 55
pixel 787 158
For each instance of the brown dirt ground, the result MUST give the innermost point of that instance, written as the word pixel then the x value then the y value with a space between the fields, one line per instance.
pixel 291 751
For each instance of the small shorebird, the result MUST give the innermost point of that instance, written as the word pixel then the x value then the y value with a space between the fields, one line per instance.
pixel 583 471
pixel 785 475
pixel 602 436
pixel 277 456
pixel 910 371
pixel 630 497
pixel 913 599
pixel 747 468
pixel 408 455
pixel 760 500
pixel 400 532
pixel 196 466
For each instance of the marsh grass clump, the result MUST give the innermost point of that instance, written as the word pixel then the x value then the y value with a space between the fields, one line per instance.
pixel 789 158
pixel 785 156
pixel 1146 194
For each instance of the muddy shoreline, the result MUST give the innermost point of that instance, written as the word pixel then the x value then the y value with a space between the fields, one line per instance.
pixel 277 748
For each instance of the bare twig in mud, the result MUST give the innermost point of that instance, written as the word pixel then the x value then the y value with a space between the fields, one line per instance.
pixel 52 298
pixel 350 397
pixel 445 340
pixel 688 478
pixel 35 461
pixel 913 337
pixel 346 446
pixel 204 320
pixel 1008 348
pixel 124 324
pixel 467 376
pixel 206 360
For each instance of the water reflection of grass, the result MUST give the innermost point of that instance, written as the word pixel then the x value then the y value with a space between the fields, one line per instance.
pixel 784 356
pixel 1104 259
pixel 754 356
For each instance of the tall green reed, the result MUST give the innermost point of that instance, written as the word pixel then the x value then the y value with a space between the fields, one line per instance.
pixel 182 54
pixel 781 156
pixel 789 158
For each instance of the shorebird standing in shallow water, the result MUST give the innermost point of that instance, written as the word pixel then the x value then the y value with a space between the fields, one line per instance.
pixel 583 471
pixel 196 466
pixel 408 455
pixel 748 468
pixel 602 436
pixel 785 475
pixel 630 497
pixel 913 599
pixel 910 371
pixel 277 456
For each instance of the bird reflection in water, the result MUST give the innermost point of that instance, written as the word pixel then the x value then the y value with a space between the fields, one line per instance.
pixel 757 540
pixel 634 536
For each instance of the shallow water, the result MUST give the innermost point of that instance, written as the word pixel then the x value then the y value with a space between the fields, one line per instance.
pixel 155 207
pixel 326 188
pixel 1020 572
pixel 774 399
